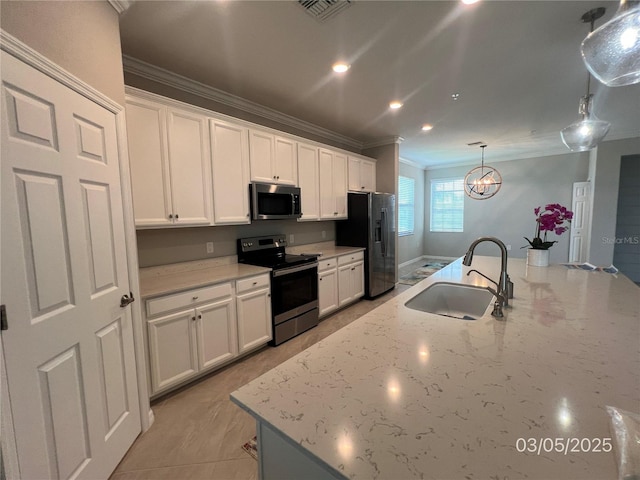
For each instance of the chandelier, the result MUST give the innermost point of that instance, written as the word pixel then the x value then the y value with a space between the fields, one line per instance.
pixel 482 182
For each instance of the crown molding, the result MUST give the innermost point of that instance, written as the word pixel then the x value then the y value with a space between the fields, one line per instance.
pixel 411 163
pixel 33 58
pixel 120 5
pixel 160 75
pixel 384 141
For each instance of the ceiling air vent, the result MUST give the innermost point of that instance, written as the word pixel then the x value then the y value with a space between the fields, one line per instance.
pixel 322 10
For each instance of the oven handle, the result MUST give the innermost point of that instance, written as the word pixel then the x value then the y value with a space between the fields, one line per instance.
pixel 286 271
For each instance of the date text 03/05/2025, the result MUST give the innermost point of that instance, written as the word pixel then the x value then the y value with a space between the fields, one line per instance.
pixel 542 445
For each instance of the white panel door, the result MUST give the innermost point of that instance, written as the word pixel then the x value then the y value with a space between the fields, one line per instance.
pixel 327 291
pixel 188 140
pixel 172 349
pixel 230 164
pixel 368 176
pixel 354 174
pixel 357 279
pixel 345 287
pixel 261 156
pixel 340 185
pixel 150 174
pixel 308 181
pixel 327 198
pixel 580 224
pixel 254 319
pixel 69 347
pixel 216 333
pixel 285 164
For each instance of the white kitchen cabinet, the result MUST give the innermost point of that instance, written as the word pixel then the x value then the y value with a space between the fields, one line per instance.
pixel 309 181
pixel 230 171
pixel 254 312
pixel 333 184
pixel 170 166
pixel 272 158
pixel 350 278
pixel 327 286
pixel 362 174
pixel 172 349
pixel 189 342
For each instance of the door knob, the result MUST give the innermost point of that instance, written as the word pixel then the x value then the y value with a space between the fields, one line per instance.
pixel 126 299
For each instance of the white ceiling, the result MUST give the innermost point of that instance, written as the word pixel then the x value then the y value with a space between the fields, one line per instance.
pixel 516 65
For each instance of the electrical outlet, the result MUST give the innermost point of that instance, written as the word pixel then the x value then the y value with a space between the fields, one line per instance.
pixel 209 247
pixel 324 234
pixel 291 238
pixel 508 247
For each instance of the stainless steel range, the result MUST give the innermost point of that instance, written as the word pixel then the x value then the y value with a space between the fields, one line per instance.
pixel 294 284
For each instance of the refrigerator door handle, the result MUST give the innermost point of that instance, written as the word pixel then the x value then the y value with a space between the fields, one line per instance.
pixel 383 220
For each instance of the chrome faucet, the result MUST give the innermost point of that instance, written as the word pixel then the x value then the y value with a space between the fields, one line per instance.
pixel 504 287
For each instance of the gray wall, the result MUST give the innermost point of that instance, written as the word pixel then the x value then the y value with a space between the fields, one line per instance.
pixel 82 37
pixel 509 214
pixel 605 172
pixel 172 245
pixel 411 247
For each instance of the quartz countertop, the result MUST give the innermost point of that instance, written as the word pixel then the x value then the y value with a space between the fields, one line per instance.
pixel 403 394
pixel 178 277
pixel 324 250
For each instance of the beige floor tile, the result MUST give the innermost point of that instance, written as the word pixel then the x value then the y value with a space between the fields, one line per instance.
pixel 199 433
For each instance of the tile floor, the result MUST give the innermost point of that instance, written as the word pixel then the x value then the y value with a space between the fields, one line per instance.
pixel 198 433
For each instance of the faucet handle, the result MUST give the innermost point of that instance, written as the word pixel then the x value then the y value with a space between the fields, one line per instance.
pixel 509 288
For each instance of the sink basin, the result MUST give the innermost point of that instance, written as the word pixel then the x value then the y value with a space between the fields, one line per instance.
pixel 452 300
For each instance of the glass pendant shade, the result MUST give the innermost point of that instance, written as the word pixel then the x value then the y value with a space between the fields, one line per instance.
pixel 612 52
pixel 587 132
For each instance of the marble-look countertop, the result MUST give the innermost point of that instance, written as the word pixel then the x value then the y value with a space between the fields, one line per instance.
pixel 403 394
pixel 178 277
pixel 324 250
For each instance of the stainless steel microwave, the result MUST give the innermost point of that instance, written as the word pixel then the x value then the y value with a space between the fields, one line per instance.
pixel 273 202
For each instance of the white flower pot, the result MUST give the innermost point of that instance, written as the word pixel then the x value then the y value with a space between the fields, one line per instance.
pixel 538 258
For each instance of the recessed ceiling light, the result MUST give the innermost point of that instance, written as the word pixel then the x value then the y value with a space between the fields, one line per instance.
pixel 395 105
pixel 426 127
pixel 341 67
pixel 470 2
pixel 455 96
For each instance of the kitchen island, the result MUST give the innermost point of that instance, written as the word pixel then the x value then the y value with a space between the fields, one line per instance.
pixel 402 394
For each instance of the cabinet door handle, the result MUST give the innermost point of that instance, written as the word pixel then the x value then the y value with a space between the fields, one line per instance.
pixel 177 216
pixel 193 318
pixel 195 297
pixel 170 216
pixel 199 316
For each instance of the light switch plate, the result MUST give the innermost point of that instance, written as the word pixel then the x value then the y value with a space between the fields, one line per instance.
pixel 209 247
pixel 291 238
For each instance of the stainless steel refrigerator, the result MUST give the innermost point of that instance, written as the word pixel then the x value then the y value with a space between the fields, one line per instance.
pixel 372 224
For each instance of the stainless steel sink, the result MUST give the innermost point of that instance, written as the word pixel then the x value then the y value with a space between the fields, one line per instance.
pixel 452 300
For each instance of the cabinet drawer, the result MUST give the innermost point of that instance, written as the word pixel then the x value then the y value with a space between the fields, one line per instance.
pixel 189 298
pixel 327 264
pixel 352 257
pixel 261 281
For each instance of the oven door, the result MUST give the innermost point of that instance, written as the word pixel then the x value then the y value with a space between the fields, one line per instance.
pixel 294 291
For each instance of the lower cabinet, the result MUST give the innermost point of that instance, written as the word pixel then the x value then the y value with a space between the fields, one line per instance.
pixel 340 281
pixel 225 321
pixel 254 312
pixel 327 286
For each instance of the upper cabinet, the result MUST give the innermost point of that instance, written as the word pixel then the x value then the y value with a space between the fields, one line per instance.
pixel 333 184
pixel 230 169
pixel 170 170
pixel 309 181
pixel 272 158
pixel 362 174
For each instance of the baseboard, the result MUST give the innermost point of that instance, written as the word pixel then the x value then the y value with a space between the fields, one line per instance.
pixel 423 257
pixel 152 418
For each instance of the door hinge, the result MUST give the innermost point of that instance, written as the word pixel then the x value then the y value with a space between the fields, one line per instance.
pixel 4 323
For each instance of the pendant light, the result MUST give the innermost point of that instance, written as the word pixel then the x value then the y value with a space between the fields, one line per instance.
pixel 588 131
pixel 612 52
pixel 482 182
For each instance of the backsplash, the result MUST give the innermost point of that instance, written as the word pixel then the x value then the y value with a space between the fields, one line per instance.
pixel 172 245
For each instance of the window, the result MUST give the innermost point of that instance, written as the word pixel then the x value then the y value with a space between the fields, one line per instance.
pixel 447 205
pixel 406 196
